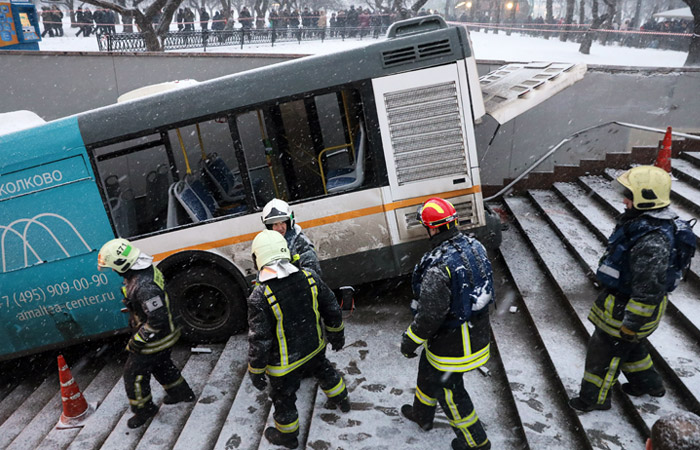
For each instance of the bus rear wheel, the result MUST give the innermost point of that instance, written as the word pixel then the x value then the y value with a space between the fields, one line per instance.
pixel 209 304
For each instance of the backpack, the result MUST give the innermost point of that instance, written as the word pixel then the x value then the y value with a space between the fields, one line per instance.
pixel 684 245
pixel 611 272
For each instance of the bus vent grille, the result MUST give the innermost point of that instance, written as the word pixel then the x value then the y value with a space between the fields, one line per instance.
pixel 465 212
pixel 426 133
pixel 408 55
pixel 434 49
pixel 399 56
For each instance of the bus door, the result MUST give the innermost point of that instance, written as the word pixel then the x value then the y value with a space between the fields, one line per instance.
pixel 53 223
pixel 428 139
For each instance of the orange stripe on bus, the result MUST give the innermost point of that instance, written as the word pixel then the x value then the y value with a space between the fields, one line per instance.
pixel 325 220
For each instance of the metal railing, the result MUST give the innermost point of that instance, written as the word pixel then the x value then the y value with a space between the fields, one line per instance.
pixel 176 40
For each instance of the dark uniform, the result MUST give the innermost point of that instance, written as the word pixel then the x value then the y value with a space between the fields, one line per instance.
pixel 149 348
pixel 286 341
pixel 448 282
pixel 302 249
pixel 637 303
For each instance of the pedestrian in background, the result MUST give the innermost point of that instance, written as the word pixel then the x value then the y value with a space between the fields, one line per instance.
pixel 453 286
pixel 286 313
pixel 154 335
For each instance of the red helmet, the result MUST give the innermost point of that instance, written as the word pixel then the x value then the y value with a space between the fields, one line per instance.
pixel 436 212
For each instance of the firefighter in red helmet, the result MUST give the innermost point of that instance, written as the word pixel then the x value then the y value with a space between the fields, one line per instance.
pixel 453 286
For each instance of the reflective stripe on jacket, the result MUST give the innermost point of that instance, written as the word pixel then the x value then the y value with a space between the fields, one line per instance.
pixel 285 322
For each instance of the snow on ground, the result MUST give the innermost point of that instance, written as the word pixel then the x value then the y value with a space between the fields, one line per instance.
pixel 487 46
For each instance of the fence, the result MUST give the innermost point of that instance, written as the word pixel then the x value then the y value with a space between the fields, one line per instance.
pixel 176 40
pixel 629 38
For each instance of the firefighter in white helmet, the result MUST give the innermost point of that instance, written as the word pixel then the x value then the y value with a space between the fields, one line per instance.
pixel 155 332
pixel 279 217
pixel 286 313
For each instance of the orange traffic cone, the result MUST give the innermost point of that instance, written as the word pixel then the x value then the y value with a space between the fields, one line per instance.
pixel 75 408
pixel 664 159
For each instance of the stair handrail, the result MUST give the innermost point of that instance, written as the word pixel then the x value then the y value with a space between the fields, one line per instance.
pixel 574 135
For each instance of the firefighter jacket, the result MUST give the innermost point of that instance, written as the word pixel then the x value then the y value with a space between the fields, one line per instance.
pixel 640 301
pixel 302 250
pixel 452 343
pixel 149 307
pixel 286 320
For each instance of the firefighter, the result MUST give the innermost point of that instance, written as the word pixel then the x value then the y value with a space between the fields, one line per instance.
pixel 633 272
pixel 279 217
pixel 453 284
pixel 285 335
pixel 155 332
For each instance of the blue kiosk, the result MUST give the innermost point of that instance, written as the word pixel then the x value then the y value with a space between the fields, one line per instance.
pixel 19 26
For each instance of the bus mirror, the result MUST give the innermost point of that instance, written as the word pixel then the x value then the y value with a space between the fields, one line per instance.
pixel 416 25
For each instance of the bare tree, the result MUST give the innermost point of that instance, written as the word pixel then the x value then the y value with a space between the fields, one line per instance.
pixel 587 41
pixel 694 49
pixel 582 12
pixel 153 33
pixel 568 20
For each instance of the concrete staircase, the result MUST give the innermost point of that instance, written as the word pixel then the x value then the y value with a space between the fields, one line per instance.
pixel 544 270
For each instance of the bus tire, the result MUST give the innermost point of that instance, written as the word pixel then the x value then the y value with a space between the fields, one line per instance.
pixel 208 303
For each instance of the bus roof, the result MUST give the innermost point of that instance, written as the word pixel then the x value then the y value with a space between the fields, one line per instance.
pixel 205 100
pixel 18 120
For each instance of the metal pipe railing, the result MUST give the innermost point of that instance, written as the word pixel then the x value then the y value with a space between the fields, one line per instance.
pixel 574 135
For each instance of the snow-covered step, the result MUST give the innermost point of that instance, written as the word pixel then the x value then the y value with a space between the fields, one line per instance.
pixel 674 344
pixel 167 424
pixel 537 392
pixel 121 436
pixel 693 157
pixel 687 169
pixel 564 339
pixel 19 392
pixel 246 419
pixel 95 393
pixel 207 418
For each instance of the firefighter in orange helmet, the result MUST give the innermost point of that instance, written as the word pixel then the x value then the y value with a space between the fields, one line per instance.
pixel 453 285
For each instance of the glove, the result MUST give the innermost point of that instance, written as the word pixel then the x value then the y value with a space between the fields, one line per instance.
pixel 135 345
pixel 408 347
pixel 259 380
pixel 628 335
pixel 337 340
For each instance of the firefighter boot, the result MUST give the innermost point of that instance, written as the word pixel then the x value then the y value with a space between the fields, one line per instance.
pixel 276 437
pixel 141 415
pixel 407 411
pixel 180 393
pixel 458 444
pixel 630 389
pixel 579 404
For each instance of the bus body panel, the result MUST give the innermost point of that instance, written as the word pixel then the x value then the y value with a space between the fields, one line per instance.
pixel 272 82
pixel 53 223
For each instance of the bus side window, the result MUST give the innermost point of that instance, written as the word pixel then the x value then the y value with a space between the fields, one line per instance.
pixel 292 148
pixel 207 163
pixel 130 173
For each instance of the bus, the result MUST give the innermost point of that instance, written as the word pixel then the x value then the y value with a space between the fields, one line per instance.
pixel 354 141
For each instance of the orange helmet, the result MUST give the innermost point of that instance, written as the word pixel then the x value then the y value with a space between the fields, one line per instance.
pixel 436 212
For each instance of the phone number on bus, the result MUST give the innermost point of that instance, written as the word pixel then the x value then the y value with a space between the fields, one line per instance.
pixel 53 290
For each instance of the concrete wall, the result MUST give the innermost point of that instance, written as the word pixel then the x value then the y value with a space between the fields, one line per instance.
pixel 59 84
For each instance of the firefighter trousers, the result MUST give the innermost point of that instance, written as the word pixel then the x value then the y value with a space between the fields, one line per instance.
pixel 137 377
pixel 283 390
pixel 447 388
pixel 606 356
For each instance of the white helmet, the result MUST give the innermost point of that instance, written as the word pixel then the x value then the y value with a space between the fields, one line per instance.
pixel 269 246
pixel 277 211
pixel 118 254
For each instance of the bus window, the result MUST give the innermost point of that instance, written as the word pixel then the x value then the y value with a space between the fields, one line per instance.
pixel 139 178
pixel 135 176
pixel 293 148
